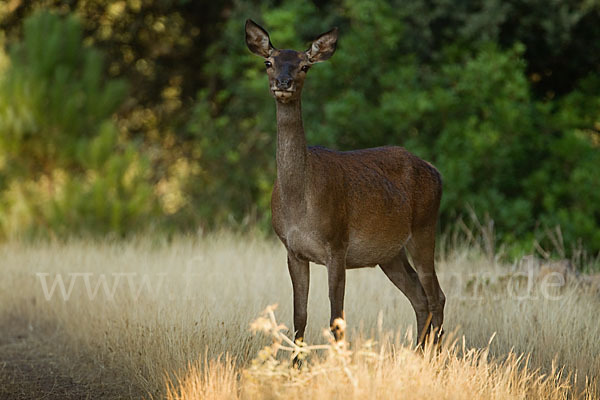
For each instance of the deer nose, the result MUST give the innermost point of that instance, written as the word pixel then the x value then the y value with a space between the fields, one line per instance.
pixel 283 82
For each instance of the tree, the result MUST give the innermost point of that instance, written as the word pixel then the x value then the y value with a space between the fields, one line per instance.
pixel 64 168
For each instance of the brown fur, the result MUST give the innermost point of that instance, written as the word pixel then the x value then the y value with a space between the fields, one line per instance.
pixel 348 209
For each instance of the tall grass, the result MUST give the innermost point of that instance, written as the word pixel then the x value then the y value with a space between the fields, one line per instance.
pixel 370 371
pixel 180 312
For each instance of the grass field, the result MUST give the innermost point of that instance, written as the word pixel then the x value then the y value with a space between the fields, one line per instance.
pixel 155 319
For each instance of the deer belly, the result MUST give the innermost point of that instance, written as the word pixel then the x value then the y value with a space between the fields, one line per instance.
pixel 369 250
pixel 364 250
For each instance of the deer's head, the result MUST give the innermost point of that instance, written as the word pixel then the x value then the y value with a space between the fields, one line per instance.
pixel 287 69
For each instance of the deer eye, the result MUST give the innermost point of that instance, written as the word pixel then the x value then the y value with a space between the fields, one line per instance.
pixel 268 64
pixel 305 68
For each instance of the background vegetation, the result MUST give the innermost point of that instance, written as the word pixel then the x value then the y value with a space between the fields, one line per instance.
pixel 137 115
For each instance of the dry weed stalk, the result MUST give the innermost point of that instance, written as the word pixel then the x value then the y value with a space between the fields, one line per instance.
pixel 269 366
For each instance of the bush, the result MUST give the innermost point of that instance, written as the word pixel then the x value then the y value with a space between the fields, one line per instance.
pixel 466 105
pixel 501 96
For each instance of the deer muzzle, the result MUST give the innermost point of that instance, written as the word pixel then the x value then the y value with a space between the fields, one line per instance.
pixel 283 82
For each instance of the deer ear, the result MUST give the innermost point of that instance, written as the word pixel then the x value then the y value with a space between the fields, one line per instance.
pixel 257 39
pixel 323 47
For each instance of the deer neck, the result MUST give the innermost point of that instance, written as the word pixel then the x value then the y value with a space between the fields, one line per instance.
pixel 291 153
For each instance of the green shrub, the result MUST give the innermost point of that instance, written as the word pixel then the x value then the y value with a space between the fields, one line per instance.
pixel 466 105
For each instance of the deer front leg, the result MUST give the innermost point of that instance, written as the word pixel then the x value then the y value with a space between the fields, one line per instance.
pixel 300 274
pixel 336 274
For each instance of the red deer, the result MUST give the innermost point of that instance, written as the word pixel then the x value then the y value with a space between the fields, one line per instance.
pixel 348 209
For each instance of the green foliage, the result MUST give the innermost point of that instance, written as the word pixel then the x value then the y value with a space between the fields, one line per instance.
pixel 54 95
pixel 502 96
pixel 466 105
pixel 64 169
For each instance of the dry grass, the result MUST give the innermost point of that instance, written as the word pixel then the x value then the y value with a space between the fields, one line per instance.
pixel 370 371
pixel 192 326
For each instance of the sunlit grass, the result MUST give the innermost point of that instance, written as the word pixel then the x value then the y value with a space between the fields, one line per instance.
pixel 180 312
pixel 370 370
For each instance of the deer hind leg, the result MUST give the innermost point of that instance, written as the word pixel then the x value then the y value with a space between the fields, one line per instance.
pixel 405 278
pixel 422 248
pixel 300 274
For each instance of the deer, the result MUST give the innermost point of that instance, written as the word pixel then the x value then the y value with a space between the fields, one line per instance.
pixel 348 209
